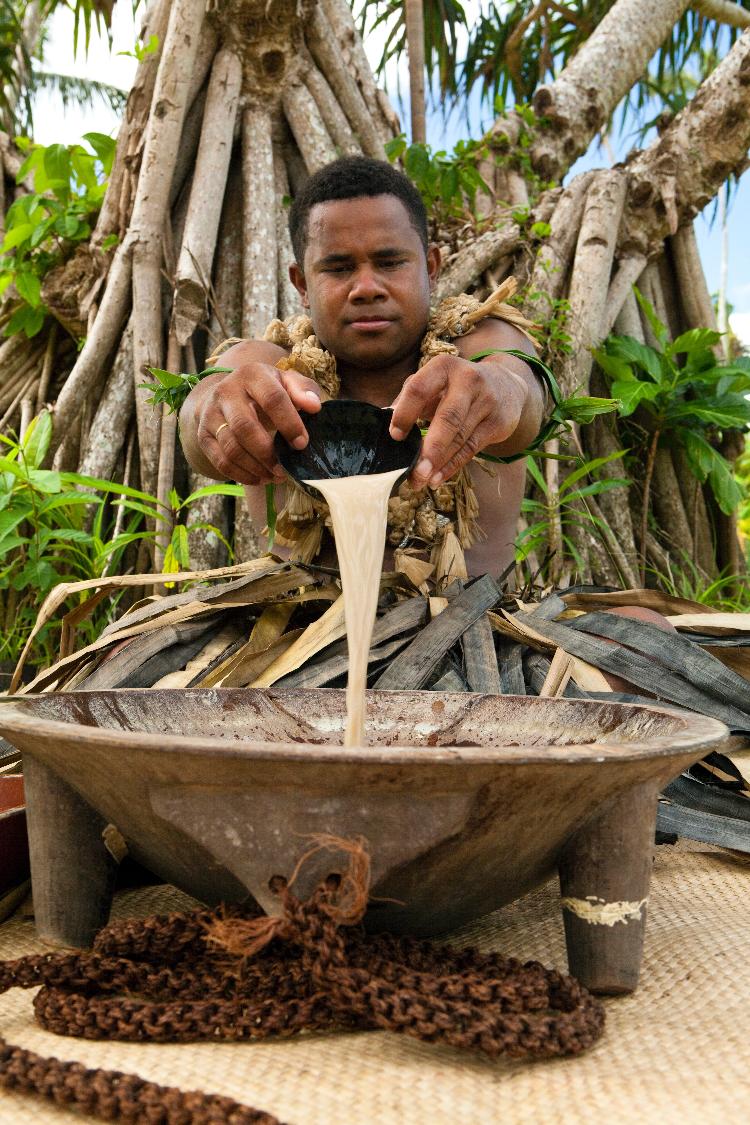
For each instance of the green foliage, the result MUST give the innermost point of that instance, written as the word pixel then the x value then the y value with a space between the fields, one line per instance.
pixel 15 103
pixel 579 409
pixel 43 226
pixel 688 397
pixel 515 46
pixel 449 184
pixel 88 13
pixel 172 388
pixel 564 507
pixel 142 51
pixel 518 156
pixel 742 476
pixel 443 21
pixel 20 54
pixel 62 527
pixel 729 593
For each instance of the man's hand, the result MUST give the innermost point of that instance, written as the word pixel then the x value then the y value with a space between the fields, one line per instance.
pixel 228 421
pixel 471 406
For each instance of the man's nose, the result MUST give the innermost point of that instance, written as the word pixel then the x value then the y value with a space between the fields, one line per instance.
pixel 367 285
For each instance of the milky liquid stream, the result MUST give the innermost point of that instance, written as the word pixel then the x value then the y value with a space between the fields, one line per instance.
pixel 359 513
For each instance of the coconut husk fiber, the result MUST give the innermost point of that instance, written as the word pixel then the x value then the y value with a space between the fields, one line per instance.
pixel 674 1052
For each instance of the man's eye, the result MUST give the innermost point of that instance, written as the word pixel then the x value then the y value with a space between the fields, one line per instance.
pixel 392 263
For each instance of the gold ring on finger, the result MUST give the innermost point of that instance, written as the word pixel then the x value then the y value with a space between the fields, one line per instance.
pixel 221 427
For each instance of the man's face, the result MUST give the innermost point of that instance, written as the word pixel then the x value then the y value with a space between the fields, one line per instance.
pixel 366 281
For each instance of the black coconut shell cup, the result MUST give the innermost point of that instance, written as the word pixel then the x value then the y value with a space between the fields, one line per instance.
pixel 347 439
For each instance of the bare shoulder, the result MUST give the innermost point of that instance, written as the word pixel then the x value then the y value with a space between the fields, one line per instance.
pixel 493 333
pixel 250 351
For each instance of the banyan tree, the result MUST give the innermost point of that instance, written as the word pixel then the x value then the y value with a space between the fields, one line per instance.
pixel 240 103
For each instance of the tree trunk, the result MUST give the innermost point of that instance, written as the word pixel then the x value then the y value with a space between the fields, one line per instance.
pixel 414 18
pixel 229 117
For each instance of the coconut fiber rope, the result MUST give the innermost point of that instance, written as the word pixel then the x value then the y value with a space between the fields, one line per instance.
pixel 235 974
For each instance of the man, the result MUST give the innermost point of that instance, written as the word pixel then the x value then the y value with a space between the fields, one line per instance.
pixel 365 271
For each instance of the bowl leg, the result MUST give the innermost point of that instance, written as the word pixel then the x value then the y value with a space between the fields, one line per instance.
pixel 605 872
pixel 72 873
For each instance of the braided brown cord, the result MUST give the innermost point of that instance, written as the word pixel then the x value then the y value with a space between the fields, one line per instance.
pixel 233 975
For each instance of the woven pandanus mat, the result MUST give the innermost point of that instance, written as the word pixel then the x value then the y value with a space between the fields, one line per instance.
pixel 674 1053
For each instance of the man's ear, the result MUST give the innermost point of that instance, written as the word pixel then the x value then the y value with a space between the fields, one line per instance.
pixel 297 279
pixel 434 262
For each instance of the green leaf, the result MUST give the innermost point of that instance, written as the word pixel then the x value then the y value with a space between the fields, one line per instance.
pixel 104 147
pixel 33 160
pixel 27 320
pixel 613 365
pixel 72 500
pixel 44 480
pixel 540 230
pixel 631 395
pixel 696 340
pixel 271 514
pixel 37 575
pixel 37 439
pixel 64 535
pixel 417 163
pixel 166 378
pixel 10 468
pixel 725 488
pixel 395 147
pixel 637 354
pixel 29 287
pixel 177 554
pixel 10 542
pixel 449 185
pixel 728 417
pixel 70 226
pixel 588 468
pixel 57 165
pixel 699 453
pixel 659 330
pixel 107 486
pixel 16 235
pixel 533 471
pixel 10 520
pixel 597 487
pixel 150 512
pixel 172 388
pixel 213 490
pixel 583 409
pixel 41 231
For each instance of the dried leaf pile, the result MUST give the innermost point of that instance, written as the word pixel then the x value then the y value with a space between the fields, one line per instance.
pixel 269 623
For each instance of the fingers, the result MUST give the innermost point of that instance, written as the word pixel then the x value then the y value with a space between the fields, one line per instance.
pixel 219 442
pixel 455 427
pixel 478 438
pixel 268 392
pixel 418 398
pixel 237 421
pixel 304 393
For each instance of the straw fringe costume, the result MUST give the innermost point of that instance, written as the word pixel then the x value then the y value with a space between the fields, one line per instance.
pixel 442 520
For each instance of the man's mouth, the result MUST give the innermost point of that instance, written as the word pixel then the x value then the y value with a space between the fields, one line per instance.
pixel 370 323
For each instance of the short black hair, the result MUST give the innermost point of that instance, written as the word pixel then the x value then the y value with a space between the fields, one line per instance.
pixel 352 177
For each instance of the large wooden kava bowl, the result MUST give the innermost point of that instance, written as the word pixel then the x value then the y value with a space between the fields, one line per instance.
pixel 466 801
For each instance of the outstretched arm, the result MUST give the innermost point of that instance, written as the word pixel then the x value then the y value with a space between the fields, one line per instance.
pixel 495 405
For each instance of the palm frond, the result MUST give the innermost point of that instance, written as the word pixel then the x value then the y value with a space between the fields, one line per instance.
pixel 442 21
pixel 73 90
pixel 515 45
pixel 15 64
